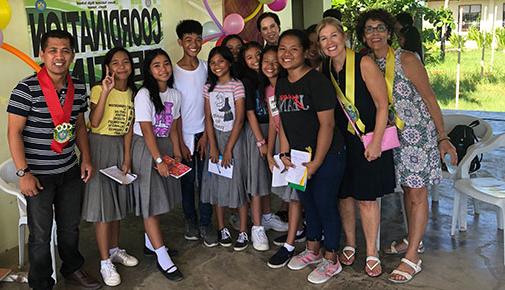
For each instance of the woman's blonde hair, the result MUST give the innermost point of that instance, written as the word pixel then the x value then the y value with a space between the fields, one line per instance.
pixel 330 21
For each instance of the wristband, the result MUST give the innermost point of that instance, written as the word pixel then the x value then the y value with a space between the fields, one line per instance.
pixel 158 160
pixel 443 139
pixel 261 143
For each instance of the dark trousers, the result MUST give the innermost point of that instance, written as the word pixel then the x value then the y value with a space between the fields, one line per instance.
pixel 188 182
pixel 320 201
pixel 63 192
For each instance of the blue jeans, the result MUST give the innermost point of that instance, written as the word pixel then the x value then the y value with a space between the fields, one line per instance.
pixel 320 201
pixel 63 192
pixel 188 190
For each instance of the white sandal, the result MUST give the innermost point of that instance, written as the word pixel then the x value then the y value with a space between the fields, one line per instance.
pixel 393 251
pixel 348 257
pixel 408 277
pixel 377 263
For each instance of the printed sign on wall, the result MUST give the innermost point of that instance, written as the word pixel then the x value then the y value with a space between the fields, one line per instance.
pixel 97 26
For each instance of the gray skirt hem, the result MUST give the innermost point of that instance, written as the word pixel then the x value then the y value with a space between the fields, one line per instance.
pixel 222 191
pixel 104 199
pixel 259 179
pixel 153 194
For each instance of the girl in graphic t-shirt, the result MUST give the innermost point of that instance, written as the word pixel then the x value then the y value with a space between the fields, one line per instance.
pixel 224 120
pixel 256 131
pixel 269 73
pixel 105 201
pixel 157 112
pixel 306 102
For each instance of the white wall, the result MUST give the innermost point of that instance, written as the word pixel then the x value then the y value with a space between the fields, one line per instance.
pixel 487 11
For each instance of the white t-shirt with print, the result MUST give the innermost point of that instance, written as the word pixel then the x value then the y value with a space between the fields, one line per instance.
pixel 146 112
pixel 222 103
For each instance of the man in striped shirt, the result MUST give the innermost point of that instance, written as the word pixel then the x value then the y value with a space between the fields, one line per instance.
pixel 42 132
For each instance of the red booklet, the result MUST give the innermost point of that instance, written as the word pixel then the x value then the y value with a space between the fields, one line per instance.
pixel 176 168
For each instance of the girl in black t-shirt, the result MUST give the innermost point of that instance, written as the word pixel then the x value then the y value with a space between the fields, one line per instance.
pixel 256 130
pixel 306 102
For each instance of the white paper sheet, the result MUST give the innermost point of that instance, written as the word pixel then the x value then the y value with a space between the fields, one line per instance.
pixel 296 175
pixel 279 174
pixel 116 174
pixel 216 168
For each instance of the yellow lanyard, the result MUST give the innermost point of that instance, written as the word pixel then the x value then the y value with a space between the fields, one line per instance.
pixel 348 99
pixel 390 78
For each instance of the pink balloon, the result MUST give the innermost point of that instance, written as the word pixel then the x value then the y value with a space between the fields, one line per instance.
pixel 278 5
pixel 233 24
pixel 1 38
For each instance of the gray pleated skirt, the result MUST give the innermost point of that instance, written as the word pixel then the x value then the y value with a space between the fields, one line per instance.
pixel 153 194
pixel 104 199
pixel 222 191
pixel 259 179
pixel 285 193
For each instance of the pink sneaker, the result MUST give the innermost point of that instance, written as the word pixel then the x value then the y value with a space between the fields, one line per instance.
pixel 302 260
pixel 324 271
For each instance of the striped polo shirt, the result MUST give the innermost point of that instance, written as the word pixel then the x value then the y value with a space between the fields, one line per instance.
pixel 27 100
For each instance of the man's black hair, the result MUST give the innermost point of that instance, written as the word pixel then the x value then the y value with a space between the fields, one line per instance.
pixel 333 12
pixel 188 26
pixel 57 33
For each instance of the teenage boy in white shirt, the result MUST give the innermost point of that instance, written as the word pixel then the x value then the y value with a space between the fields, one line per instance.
pixel 190 75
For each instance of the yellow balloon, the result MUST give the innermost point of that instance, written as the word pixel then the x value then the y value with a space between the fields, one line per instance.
pixel 5 14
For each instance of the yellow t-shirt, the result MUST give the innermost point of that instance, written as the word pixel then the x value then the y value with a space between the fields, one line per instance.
pixel 118 112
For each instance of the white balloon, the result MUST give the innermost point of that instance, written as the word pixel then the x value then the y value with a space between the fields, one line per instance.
pixel 210 28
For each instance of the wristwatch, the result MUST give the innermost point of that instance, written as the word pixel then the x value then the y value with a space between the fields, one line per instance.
pixel 22 172
pixel 158 160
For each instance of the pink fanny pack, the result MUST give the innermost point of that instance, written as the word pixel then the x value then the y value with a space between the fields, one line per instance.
pixel 389 139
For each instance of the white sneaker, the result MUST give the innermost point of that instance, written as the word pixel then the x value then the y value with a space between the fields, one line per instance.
pixel 275 223
pixel 109 274
pixel 259 238
pixel 120 256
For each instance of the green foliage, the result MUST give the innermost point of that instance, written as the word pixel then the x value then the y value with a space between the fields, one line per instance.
pixel 476 92
pixel 457 40
pixel 482 38
pixel 352 8
pixel 500 38
pixel 431 46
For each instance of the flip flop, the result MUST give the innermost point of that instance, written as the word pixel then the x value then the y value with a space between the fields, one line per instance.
pixel 348 258
pixel 408 277
pixel 369 270
pixel 393 251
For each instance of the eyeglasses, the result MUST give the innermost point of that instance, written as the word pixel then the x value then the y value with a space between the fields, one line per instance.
pixel 378 28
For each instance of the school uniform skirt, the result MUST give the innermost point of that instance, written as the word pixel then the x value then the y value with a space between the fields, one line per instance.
pixel 259 179
pixel 285 193
pixel 223 191
pixel 104 199
pixel 153 194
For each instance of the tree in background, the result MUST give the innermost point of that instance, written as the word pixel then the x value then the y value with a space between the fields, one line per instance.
pixel 352 8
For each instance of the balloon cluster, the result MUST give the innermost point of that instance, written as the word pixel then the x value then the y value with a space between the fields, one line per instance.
pixel 234 23
pixel 5 18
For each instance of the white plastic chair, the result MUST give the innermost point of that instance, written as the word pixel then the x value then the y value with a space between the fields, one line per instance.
pixel 483 132
pixel 466 187
pixel 9 184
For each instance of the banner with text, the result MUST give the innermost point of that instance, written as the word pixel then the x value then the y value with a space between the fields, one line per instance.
pixel 97 26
